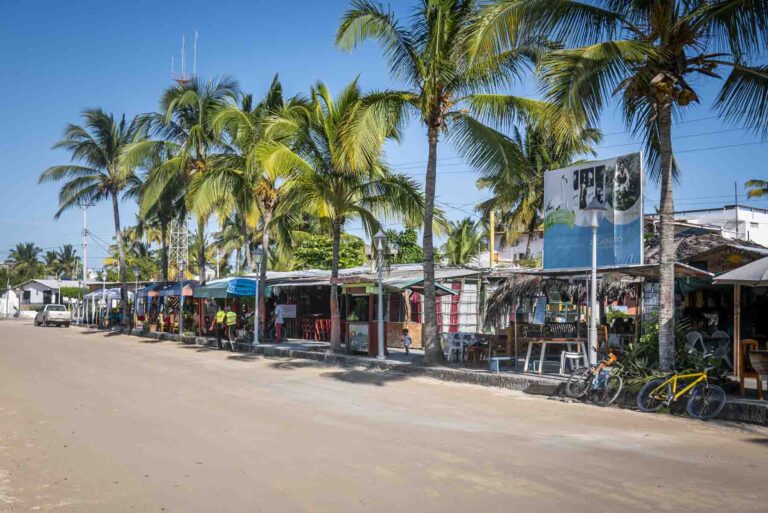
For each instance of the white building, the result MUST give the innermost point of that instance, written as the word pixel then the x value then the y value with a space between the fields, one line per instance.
pixel 733 221
pixel 42 292
pixel 511 254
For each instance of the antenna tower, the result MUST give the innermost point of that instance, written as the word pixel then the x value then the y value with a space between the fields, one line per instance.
pixel 179 248
pixel 184 78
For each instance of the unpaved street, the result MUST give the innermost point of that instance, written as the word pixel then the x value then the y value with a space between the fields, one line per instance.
pixel 90 422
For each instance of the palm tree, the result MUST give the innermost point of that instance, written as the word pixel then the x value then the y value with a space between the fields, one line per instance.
pixel 465 241
pixel 757 188
pixel 431 56
pixel 251 179
pixel 67 259
pixel 25 256
pixel 653 55
pixel 342 176
pixel 51 263
pixel 100 172
pixel 518 189
pixel 187 139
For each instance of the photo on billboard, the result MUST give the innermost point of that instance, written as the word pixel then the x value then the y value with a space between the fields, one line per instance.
pixel 617 183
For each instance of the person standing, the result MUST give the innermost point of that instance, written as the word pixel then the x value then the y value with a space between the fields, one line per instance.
pixel 231 319
pixel 218 325
pixel 279 321
pixel 406 341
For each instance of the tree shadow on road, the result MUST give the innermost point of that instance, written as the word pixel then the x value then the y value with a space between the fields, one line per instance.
pixel 294 364
pixel 359 377
pixel 758 441
pixel 197 349
pixel 244 357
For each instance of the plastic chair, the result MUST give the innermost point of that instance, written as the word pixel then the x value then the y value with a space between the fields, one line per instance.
pixel 572 360
pixel 723 340
pixel 694 339
pixel 455 345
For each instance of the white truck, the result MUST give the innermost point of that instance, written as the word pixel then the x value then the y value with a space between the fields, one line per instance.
pixel 53 314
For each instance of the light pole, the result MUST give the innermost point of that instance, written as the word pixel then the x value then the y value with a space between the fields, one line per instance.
pixel 258 256
pixel 380 240
pixel 135 295
pixel 182 265
pixel 595 209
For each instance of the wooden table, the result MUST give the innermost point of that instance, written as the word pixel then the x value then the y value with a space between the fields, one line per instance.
pixel 581 345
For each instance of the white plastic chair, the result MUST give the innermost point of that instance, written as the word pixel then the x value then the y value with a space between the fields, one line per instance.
pixel 721 340
pixel 570 359
pixel 455 345
pixel 695 342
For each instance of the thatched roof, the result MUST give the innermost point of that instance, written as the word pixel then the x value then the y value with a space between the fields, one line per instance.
pixel 694 243
pixel 521 286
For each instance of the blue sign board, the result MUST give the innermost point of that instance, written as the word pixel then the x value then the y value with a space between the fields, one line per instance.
pixel 242 287
pixel 617 183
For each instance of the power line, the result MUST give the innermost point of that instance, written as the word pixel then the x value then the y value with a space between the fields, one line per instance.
pixel 685 136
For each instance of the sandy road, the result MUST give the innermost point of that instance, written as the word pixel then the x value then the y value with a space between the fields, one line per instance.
pixel 90 422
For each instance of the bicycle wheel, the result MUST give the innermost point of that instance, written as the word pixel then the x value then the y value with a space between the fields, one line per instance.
pixel 649 402
pixel 706 402
pixel 579 382
pixel 608 391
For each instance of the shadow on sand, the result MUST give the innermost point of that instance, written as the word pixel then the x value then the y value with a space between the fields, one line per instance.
pixel 359 377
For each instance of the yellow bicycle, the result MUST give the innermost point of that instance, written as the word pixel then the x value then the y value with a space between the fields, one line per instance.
pixel 706 400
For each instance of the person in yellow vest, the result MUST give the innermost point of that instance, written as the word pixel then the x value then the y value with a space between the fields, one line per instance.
pixel 218 325
pixel 231 318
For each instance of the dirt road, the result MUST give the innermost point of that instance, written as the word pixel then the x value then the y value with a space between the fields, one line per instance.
pixel 90 422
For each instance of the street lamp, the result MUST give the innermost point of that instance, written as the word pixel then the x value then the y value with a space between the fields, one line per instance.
pixel 135 295
pixel 595 209
pixel 380 241
pixel 258 256
pixel 182 265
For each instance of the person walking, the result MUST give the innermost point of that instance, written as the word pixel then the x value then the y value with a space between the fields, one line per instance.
pixel 218 325
pixel 231 319
pixel 279 321
pixel 406 341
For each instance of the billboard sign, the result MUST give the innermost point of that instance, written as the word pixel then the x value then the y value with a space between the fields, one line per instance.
pixel 618 184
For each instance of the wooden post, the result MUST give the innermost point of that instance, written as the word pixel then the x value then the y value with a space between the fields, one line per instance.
pixel 737 353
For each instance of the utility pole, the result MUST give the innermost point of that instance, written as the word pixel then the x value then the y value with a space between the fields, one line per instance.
pixel 492 241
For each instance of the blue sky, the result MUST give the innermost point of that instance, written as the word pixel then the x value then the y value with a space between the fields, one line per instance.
pixel 58 58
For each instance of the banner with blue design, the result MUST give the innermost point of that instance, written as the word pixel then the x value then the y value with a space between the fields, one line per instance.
pixel 618 184
pixel 242 287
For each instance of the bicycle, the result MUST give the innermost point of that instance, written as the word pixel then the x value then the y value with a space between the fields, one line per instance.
pixel 706 400
pixel 599 382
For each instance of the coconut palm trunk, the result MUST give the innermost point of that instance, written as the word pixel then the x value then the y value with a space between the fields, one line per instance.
pixel 267 218
pixel 335 316
pixel 667 247
pixel 433 352
pixel 120 261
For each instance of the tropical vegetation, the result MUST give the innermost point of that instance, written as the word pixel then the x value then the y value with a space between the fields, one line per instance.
pixel 287 176
pixel 654 58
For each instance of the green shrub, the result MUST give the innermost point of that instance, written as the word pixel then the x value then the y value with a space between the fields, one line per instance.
pixel 640 362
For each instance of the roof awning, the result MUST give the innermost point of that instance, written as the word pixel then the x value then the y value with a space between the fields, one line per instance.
pixel 418 286
pixel 173 289
pixel 150 290
pixel 750 275
pixel 639 271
